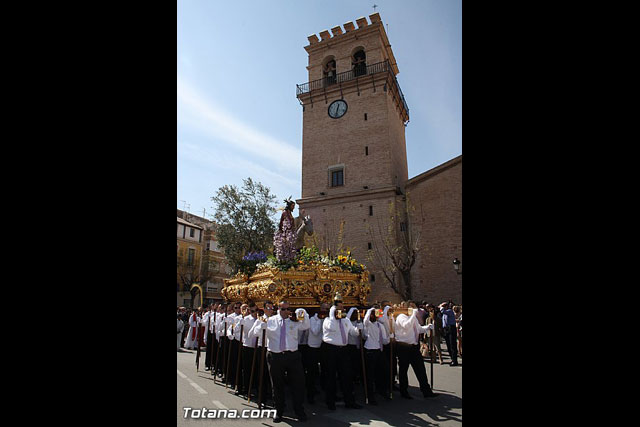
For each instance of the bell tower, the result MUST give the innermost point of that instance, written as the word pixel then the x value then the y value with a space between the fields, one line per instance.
pixel 354 161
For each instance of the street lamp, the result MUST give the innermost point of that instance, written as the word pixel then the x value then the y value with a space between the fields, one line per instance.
pixel 456 265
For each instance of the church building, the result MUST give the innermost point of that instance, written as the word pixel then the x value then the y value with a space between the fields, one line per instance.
pixel 355 183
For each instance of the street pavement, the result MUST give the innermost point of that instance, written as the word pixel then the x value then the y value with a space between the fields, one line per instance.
pixel 197 390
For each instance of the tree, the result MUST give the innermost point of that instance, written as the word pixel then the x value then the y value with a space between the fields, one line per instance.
pixel 244 220
pixel 394 251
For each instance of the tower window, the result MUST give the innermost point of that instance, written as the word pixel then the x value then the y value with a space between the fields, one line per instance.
pixel 370 210
pixel 337 178
pixel 329 72
pixel 359 62
pixel 372 277
pixel 369 245
pixel 403 227
pixel 366 150
pixel 365 116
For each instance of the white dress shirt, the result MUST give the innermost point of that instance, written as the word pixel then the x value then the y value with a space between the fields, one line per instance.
pixel 315 332
pixel 273 327
pixel 331 329
pixel 233 326
pixel 256 332
pixel 408 328
pixel 303 336
pixel 247 339
pixel 372 331
pixel 223 322
pixel 385 321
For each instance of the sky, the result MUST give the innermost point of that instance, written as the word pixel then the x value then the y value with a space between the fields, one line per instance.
pixel 238 63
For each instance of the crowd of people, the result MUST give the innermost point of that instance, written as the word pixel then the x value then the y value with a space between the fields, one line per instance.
pixel 259 351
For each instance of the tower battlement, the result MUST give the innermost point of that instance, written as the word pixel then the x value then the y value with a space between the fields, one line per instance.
pixel 336 31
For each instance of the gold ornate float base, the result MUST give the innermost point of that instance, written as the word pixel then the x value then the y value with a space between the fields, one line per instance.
pixel 300 288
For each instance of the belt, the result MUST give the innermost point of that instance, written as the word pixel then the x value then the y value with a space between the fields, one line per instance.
pixel 405 344
pixel 285 351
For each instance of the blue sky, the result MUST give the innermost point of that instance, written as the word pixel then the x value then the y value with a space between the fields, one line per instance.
pixel 238 63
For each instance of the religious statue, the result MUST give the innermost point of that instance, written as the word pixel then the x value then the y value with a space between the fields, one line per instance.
pixel 284 240
pixel 289 237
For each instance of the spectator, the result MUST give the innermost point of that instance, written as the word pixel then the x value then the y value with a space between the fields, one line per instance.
pixel 180 328
pixel 450 332
pixel 458 311
pixel 438 331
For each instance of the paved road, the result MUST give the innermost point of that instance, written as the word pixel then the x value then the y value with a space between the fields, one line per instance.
pixel 197 390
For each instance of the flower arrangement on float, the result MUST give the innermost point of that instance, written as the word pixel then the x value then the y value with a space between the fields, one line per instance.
pixel 307 259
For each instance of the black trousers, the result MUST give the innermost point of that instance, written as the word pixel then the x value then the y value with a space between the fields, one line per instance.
pixel 377 372
pixel 222 359
pixel 233 368
pixel 247 360
pixel 355 360
pixel 410 355
pixel 451 337
pixel 224 349
pixel 207 357
pixel 310 360
pixel 266 378
pixel 337 361
pixel 394 357
pixel 290 364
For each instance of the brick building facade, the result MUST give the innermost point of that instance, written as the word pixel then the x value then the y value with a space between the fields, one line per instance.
pixel 355 183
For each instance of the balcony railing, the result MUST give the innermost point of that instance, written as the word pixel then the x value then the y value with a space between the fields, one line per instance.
pixel 358 71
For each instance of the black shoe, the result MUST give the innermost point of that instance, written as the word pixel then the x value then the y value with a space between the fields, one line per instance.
pixel 454 364
pixel 406 395
pixel 277 419
pixel 331 406
pixel 429 394
pixel 395 387
pixel 338 398
pixel 373 402
pixel 353 406
pixel 302 417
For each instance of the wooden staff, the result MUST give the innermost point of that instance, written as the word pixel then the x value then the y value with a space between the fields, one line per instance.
pixel 212 342
pixel 253 364
pixel 197 345
pixel 213 337
pixel 226 379
pixel 220 344
pixel 391 357
pixel 238 366
pixel 364 370
pixel 264 350
pixel 431 353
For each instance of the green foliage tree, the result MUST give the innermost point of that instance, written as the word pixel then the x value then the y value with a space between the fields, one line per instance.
pixel 244 218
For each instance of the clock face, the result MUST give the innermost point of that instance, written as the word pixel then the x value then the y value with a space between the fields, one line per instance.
pixel 337 109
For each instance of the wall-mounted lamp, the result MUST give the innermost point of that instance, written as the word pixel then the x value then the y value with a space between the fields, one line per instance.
pixel 456 265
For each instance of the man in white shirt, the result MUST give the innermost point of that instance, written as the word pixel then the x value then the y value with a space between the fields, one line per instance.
pixel 218 358
pixel 248 348
pixel 224 339
pixel 311 360
pixel 284 358
pixel 407 332
pixel 261 360
pixel 335 333
pixel 233 333
pixel 355 359
pixel 208 320
pixel 376 365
